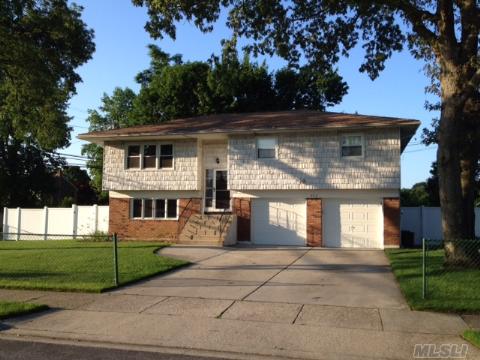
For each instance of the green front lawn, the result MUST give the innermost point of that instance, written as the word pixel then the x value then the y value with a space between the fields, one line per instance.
pixel 472 336
pixel 453 291
pixel 71 265
pixel 8 309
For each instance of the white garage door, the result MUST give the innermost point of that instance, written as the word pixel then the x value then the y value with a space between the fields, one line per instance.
pixel 279 222
pixel 352 223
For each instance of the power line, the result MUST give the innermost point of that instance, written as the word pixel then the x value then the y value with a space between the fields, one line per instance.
pixel 413 151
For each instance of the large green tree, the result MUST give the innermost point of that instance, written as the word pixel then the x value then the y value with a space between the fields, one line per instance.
pixel 114 113
pixel 441 32
pixel 42 42
pixel 172 88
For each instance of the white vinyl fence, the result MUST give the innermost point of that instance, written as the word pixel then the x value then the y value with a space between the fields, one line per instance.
pixel 426 222
pixel 20 224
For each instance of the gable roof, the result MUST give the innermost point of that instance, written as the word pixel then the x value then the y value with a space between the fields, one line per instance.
pixel 260 122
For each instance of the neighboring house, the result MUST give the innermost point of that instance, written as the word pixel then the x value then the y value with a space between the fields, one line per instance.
pixel 288 178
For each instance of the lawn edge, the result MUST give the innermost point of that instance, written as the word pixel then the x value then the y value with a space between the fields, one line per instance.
pixel 35 309
pixel 467 336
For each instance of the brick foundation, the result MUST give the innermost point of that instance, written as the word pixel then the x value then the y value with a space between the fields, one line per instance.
pixel 391 222
pixel 242 207
pixel 135 229
pixel 314 222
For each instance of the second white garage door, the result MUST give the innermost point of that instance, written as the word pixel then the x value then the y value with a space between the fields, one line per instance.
pixel 279 222
pixel 352 223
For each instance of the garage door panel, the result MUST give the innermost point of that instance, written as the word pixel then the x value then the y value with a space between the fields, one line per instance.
pixel 352 223
pixel 278 222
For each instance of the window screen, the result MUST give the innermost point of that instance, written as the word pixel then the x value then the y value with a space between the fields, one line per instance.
pixel 137 208
pixel 266 148
pixel 149 156
pixel 166 156
pixel 133 156
pixel 352 145
pixel 171 208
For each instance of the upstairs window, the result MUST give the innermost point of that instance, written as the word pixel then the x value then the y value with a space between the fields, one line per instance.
pixel 352 146
pixel 133 157
pixel 166 156
pixel 266 148
pixel 149 156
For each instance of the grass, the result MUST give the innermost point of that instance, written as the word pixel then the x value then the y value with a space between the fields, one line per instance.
pixel 472 336
pixel 9 309
pixel 457 290
pixel 69 265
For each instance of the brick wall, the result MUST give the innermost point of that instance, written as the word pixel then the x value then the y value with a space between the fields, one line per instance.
pixel 314 222
pixel 127 228
pixel 242 207
pixel 391 221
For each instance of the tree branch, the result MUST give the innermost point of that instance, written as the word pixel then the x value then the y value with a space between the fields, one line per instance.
pixel 416 17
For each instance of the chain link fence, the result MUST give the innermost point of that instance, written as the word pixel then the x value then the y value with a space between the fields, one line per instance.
pixel 59 262
pixel 450 267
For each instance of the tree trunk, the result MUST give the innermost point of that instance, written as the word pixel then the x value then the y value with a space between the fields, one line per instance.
pixel 448 160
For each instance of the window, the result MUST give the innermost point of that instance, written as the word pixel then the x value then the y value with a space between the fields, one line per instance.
pixel 149 156
pixel 137 208
pixel 160 208
pixel 133 157
pixel 166 156
pixel 171 208
pixel 266 148
pixel 352 145
pixel 154 208
pixel 148 208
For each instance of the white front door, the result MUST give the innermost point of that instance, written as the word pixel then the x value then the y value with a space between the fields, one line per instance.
pixel 279 222
pixel 352 223
pixel 217 195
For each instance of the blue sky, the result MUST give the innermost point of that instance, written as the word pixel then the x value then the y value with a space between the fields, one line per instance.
pixel 121 52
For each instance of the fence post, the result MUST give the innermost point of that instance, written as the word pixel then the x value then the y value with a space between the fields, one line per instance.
pixel 95 212
pixel 5 223
pixel 19 222
pixel 45 217
pixel 115 259
pixel 424 266
pixel 75 220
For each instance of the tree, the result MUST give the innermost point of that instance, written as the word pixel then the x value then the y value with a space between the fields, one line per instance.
pixel 416 196
pixel 444 32
pixel 114 113
pixel 42 42
pixel 172 88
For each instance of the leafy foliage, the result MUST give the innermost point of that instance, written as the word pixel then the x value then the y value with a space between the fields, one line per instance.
pixel 443 33
pixel 171 88
pixel 42 42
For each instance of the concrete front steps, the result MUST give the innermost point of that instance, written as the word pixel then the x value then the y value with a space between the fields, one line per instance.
pixel 204 229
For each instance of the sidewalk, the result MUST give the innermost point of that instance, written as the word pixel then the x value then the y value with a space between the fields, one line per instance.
pixel 241 329
pixel 229 305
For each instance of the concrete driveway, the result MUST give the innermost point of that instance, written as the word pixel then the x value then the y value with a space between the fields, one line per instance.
pixel 281 275
pixel 255 303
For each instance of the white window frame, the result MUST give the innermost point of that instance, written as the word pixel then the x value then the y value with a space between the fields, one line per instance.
pixel 142 156
pixel 362 142
pixel 257 147
pixel 154 209
pixel 159 154
pixel 126 157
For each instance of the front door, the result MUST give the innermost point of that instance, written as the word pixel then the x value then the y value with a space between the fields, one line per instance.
pixel 217 195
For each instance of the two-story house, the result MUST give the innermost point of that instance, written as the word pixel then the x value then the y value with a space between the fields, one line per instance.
pixel 274 178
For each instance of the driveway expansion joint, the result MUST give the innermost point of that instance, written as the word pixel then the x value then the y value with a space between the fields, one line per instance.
pixel 274 275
